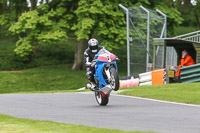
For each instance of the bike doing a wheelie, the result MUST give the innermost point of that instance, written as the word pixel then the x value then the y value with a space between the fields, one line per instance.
pixel 106 76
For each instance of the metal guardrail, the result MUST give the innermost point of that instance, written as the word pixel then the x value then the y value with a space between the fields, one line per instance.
pixel 193 36
pixel 190 73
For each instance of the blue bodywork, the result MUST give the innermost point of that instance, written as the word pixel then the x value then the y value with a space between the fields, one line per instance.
pixel 99 71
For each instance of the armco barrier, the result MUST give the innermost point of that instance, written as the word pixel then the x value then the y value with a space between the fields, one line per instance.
pixel 190 73
pixel 156 77
pixel 146 83
pixel 129 82
pixel 145 77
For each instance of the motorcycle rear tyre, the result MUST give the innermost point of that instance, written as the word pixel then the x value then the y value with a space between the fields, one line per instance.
pixel 101 100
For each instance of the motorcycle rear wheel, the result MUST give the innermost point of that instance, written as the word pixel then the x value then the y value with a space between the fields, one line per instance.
pixel 101 98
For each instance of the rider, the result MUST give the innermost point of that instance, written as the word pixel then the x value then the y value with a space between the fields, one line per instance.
pixel 89 54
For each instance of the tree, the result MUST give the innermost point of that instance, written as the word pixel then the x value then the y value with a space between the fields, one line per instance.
pixel 196 13
pixel 10 10
pixel 42 26
pixel 3 6
pixel 4 17
pixel 187 12
pixel 104 20
pixel 33 4
pixel 101 19
pixel 173 15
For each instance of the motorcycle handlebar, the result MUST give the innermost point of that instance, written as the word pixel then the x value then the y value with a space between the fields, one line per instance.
pixel 117 59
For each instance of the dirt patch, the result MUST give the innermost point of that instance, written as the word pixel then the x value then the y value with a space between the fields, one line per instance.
pixel 11 71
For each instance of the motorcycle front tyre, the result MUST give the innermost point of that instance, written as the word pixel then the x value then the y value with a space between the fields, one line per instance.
pixel 115 77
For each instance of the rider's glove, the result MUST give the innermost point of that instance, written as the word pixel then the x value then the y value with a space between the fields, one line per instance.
pixel 88 64
pixel 93 63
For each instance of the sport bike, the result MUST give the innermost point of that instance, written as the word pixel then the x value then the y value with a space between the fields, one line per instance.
pixel 106 76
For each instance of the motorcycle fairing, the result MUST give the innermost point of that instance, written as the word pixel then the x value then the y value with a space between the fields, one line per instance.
pixel 99 71
pixel 106 58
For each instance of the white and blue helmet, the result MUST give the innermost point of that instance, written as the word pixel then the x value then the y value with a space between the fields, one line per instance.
pixel 93 45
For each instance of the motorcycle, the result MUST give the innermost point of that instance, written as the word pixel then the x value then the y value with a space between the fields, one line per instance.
pixel 106 76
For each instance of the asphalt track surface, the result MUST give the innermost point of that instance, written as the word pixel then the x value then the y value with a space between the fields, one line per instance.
pixel 124 113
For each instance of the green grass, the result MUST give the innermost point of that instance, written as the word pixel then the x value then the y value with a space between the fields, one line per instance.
pixel 18 125
pixel 184 92
pixel 58 78
pixel 52 79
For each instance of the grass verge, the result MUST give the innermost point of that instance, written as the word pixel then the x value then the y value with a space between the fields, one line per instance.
pixel 52 79
pixel 184 92
pixel 11 124
pixel 44 79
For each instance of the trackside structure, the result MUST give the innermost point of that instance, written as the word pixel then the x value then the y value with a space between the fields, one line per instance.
pixel 148 47
pixel 189 42
pixel 142 26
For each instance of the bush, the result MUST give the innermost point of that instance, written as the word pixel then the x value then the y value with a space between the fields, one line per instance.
pixel 60 53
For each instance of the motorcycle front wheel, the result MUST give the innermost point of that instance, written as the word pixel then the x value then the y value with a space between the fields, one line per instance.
pixel 101 98
pixel 114 79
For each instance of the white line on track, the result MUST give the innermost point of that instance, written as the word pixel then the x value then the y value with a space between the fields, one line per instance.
pixel 148 99
pixel 161 101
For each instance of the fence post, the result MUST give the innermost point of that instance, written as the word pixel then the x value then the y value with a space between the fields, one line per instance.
pixel 148 32
pixel 127 35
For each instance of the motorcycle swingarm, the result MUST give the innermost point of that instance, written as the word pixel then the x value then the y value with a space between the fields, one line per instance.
pixel 106 90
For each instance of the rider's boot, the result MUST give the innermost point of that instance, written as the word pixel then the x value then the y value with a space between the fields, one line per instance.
pixel 90 86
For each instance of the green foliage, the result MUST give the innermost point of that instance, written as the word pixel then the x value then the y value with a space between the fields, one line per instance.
pixel 143 2
pixel 173 18
pixel 39 27
pixel 51 37
pixel 5 22
pixel 103 19
pixel 23 49
pixel 45 55
pixel 183 30
pixel 9 13
pixel 188 12
pixel 6 54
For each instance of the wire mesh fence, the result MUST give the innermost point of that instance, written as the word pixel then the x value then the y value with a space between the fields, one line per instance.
pixel 144 26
